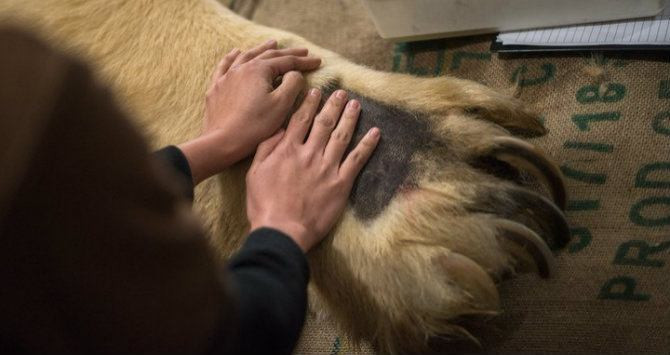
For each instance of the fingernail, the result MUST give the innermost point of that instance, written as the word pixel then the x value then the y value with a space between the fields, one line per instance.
pixel 314 92
pixel 353 104
pixel 374 132
pixel 270 42
pixel 341 94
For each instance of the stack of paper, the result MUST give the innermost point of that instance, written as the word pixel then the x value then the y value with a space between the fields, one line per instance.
pixel 646 33
pixel 403 20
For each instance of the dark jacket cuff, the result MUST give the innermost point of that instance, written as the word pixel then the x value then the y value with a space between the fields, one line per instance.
pixel 174 158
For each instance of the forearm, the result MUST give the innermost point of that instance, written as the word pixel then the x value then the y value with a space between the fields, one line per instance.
pixel 196 160
pixel 208 155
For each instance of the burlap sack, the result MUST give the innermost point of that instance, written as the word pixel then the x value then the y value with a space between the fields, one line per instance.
pixel 609 123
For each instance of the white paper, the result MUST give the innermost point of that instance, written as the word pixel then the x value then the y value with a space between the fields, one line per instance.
pixel 646 31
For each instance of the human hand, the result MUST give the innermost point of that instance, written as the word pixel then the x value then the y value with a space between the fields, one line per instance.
pixel 301 187
pixel 242 106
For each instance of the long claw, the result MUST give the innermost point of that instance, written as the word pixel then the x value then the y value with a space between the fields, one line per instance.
pixel 525 156
pixel 471 280
pixel 524 244
pixel 535 210
pixel 528 208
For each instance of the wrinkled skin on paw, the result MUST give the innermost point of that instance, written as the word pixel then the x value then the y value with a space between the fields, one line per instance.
pixel 439 215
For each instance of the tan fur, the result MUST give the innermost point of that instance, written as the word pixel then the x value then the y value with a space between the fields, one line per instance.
pixel 395 280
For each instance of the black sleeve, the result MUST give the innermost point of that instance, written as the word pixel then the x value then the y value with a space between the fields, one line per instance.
pixel 175 159
pixel 269 276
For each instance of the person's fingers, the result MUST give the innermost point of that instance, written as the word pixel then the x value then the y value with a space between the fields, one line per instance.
pixel 357 158
pixel 274 53
pixel 267 146
pixel 287 63
pixel 225 64
pixel 299 124
pixel 291 85
pixel 326 120
pixel 341 136
pixel 254 52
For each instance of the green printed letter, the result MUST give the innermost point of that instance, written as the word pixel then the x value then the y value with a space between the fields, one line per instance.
pixel 584 240
pixel 642 179
pixel 661 123
pixel 636 212
pixel 591 93
pixel 590 178
pixel 582 121
pixel 622 288
pixel 641 257
pixel 520 75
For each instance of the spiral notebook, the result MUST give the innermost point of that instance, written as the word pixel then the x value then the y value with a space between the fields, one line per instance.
pixel 639 34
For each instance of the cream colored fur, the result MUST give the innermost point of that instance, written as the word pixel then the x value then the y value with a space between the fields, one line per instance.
pixel 395 280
